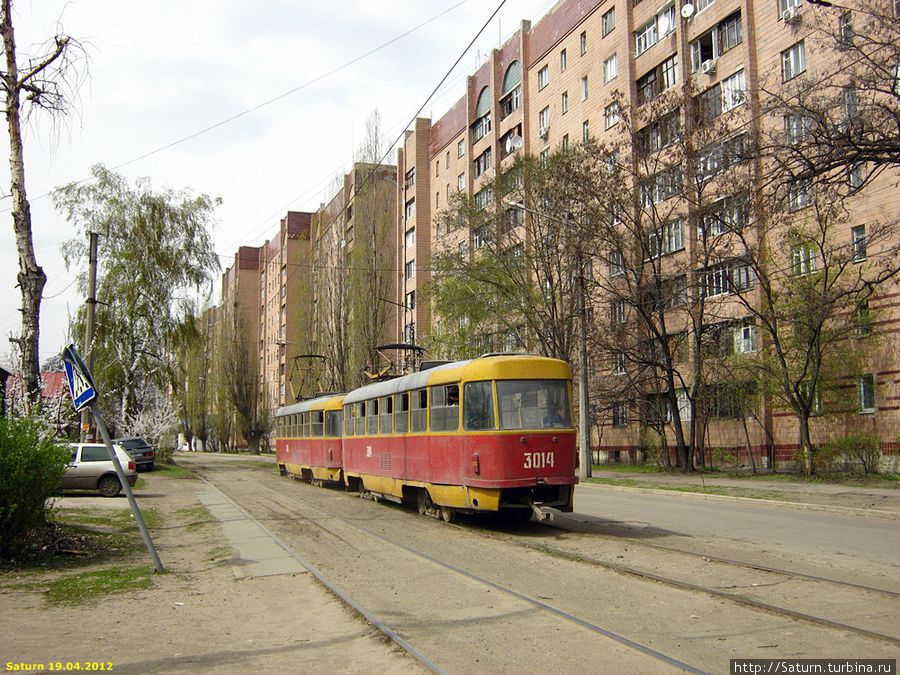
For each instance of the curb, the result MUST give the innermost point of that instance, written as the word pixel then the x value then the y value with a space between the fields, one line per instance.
pixel 799 506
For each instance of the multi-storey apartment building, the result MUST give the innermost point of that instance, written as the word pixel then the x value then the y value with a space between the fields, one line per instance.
pixel 284 275
pixel 589 69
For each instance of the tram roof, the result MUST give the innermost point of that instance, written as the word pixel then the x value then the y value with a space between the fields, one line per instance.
pixel 318 403
pixel 494 367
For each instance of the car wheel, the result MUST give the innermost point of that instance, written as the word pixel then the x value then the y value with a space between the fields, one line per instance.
pixel 109 486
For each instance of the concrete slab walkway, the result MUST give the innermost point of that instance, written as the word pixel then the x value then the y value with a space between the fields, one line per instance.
pixel 260 554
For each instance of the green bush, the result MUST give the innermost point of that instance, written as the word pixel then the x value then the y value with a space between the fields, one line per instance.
pixel 828 459
pixel 32 464
pixel 862 449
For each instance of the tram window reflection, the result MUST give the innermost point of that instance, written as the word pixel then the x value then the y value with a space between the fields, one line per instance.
pixel 478 400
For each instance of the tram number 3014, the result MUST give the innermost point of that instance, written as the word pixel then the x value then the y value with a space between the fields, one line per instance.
pixel 538 460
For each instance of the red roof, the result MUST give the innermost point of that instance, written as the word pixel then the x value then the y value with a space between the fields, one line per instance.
pixel 53 384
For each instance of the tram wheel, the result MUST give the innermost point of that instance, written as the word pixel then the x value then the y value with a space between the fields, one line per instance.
pixel 448 514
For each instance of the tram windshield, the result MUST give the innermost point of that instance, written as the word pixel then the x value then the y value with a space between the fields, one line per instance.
pixel 533 404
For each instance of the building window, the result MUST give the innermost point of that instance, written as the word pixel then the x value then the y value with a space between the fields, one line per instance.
pixel 564 143
pixel 845 28
pixel 410 269
pixel 562 60
pixel 727 277
pixel 437 199
pixel 481 237
pixel 667 239
pixel 799 194
pixel 658 80
pixel 866 389
pixel 483 198
pixel 803 260
pixel 617 312
pixel 620 414
pixel 410 178
pixel 858 236
pixel 543 77
pixel 851 102
pixel 461 182
pixel 410 209
pixel 703 4
pixel 544 155
pixel 611 115
pixel 616 264
pixel 793 61
pixel 745 337
pixel 651 32
pixel 784 5
pixel 618 365
pixel 544 121
pixel 582 41
pixel 410 238
pixel 461 148
pixel 482 163
pixel 481 127
pixel 585 131
pixel 863 319
pixel 564 102
pixel 796 128
pixel 661 186
pixel 411 300
pixel 609 22
pixel 723 37
pixel 730 214
pixel 609 69
pixel 584 88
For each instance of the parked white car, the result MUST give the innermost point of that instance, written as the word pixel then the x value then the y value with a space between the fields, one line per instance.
pixel 92 469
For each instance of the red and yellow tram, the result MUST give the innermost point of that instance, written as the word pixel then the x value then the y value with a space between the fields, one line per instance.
pixel 493 433
pixel 308 443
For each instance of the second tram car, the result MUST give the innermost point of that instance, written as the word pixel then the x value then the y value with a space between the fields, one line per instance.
pixel 489 434
pixel 308 443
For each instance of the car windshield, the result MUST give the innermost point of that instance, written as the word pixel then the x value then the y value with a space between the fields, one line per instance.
pixel 533 404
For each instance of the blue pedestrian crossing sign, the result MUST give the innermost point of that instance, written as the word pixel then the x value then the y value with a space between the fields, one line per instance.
pixel 81 384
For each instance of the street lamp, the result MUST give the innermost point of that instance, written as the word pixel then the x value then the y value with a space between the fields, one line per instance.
pixel 584 433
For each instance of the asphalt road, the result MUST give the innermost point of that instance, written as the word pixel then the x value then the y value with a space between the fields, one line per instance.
pixel 789 531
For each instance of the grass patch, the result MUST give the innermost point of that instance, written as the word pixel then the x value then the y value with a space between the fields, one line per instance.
pixel 196 516
pixel 628 468
pixel 219 553
pixel 253 464
pixel 172 471
pixel 86 587
pixel 699 489
pixel 112 519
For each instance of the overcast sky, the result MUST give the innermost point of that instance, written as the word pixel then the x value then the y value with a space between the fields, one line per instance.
pixel 162 70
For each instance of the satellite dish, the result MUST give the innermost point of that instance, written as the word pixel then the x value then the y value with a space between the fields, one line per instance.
pixel 513 143
pixel 687 11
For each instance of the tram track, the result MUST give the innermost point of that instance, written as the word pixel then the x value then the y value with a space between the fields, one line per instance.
pixel 732 597
pixel 532 601
pixel 332 525
pixel 736 598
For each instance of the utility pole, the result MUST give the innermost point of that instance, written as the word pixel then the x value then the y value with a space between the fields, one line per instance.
pixel 89 325
pixel 584 430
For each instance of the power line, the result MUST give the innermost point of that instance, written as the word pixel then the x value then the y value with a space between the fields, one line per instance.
pixel 267 102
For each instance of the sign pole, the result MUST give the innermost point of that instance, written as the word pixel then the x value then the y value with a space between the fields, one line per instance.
pixel 145 533
pixel 84 393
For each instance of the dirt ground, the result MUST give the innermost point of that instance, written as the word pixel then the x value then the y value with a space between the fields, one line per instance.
pixel 198 617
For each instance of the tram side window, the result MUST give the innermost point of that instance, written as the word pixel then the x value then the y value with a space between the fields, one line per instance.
pixel 348 420
pixel 533 404
pixel 360 422
pixel 293 426
pixel 478 401
pixel 372 417
pixel 386 408
pixel 418 410
pixel 333 423
pixel 318 423
pixel 305 423
pixel 445 408
pixel 401 413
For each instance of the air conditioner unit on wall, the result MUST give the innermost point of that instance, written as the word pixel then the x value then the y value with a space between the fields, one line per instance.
pixel 543 132
pixel 791 15
pixel 708 66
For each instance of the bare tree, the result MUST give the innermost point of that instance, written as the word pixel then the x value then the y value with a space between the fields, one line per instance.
pixel 47 82
pixel 243 385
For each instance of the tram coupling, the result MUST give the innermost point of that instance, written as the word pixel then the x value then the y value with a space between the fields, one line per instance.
pixel 540 513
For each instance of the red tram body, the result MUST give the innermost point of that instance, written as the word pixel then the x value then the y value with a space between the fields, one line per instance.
pixel 489 434
pixel 308 444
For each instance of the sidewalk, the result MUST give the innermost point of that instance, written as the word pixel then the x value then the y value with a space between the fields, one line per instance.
pixel 882 497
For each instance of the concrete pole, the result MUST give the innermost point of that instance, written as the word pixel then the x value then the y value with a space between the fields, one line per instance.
pixel 89 324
